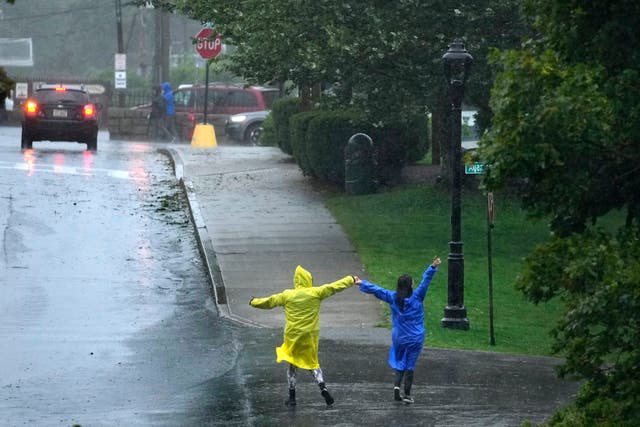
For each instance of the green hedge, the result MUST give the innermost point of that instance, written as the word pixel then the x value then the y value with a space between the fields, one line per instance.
pixel 298 125
pixel 317 140
pixel 327 136
pixel 268 134
pixel 399 144
pixel 281 112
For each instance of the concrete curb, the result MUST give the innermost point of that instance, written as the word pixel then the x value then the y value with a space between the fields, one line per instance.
pixel 205 245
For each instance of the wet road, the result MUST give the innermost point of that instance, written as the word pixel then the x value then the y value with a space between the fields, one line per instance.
pixel 105 315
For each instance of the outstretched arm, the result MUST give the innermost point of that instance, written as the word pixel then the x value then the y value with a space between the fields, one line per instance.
pixel 377 291
pixel 274 300
pixel 325 291
pixel 428 274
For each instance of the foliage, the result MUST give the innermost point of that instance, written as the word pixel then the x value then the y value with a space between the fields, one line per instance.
pixel 6 82
pixel 563 137
pixel 399 143
pixel 318 139
pixel 281 112
pixel 298 126
pixel 598 277
pixel 327 135
pixel 381 56
pixel 268 135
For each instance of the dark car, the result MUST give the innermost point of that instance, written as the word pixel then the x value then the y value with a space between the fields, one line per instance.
pixel 246 127
pixel 60 113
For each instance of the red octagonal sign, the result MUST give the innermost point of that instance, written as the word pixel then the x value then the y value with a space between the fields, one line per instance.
pixel 207 44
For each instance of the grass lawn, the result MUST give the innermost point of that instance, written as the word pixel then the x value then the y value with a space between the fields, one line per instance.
pixel 400 231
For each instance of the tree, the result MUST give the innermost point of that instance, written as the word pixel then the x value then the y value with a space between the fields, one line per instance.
pixel 564 139
pixel 383 56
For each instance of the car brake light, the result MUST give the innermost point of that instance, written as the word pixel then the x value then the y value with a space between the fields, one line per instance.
pixel 61 89
pixel 88 111
pixel 31 107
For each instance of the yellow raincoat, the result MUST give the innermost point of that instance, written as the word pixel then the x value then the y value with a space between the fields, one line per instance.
pixel 302 313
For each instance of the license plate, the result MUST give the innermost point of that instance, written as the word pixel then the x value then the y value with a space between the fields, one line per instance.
pixel 59 113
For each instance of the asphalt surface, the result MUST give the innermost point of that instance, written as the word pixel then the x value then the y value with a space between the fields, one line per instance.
pixel 256 218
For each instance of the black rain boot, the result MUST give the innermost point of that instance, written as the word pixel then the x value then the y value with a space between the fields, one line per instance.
pixel 292 398
pixel 325 394
pixel 408 382
pixel 396 385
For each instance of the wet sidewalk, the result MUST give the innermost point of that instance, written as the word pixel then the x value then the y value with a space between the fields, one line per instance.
pixel 257 217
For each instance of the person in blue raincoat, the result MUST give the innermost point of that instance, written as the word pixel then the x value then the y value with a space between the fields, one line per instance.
pixel 302 329
pixel 407 325
pixel 170 110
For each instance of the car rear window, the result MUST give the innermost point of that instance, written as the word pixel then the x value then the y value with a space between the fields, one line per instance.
pixel 47 96
pixel 238 98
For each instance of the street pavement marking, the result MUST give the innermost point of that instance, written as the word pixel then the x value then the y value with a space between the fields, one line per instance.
pixel 67 170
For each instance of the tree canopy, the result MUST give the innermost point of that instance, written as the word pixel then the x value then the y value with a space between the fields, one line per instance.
pixel 564 139
pixel 385 56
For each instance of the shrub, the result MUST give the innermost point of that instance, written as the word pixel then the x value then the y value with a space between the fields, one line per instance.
pixel 327 136
pixel 317 139
pixel 398 144
pixel 281 112
pixel 298 125
pixel 268 136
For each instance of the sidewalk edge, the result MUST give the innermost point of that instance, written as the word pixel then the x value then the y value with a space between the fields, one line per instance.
pixel 205 245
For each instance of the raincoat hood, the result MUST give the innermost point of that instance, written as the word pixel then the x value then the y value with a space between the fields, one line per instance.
pixel 302 278
pixel 166 87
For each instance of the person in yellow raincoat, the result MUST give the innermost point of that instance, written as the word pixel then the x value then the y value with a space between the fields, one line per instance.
pixel 302 329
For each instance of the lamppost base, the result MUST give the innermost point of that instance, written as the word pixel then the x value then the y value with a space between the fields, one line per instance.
pixel 455 318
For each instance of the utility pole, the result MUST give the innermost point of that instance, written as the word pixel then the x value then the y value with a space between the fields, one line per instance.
pixel 162 43
pixel 120 43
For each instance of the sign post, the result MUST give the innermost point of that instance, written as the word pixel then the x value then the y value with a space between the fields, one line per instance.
pixel 478 168
pixel 208 45
pixel 120 75
pixel 490 225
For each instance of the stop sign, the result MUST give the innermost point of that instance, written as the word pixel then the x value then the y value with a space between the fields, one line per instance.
pixel 208 45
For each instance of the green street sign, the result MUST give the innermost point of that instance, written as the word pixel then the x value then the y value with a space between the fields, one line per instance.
pixel 475 169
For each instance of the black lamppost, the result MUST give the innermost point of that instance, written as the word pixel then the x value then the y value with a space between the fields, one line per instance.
pixel 457 65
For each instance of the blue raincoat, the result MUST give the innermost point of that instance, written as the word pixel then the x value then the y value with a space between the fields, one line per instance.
pixel 168 99
pixel 407 329
pixel 302 313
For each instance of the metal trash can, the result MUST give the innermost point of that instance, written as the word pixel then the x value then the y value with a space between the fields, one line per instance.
pixel 359 166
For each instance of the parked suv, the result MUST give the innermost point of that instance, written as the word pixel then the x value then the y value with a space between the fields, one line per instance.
pixel 60 113
pixel 222 103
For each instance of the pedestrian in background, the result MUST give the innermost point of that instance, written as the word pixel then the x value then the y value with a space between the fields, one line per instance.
pixel 170 110
pixel 157 115
pixel 302 329
pixel 407 325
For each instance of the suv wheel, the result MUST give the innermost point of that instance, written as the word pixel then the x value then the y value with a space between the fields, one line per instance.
pixel 252 134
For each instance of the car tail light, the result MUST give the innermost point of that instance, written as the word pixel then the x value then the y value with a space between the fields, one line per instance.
pixel 31 107
pixel 61 89
pixel 88 111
